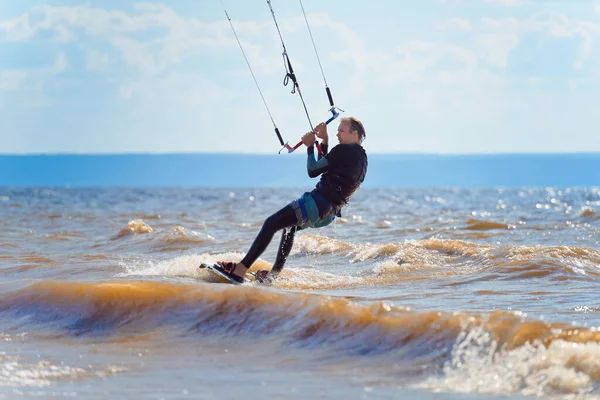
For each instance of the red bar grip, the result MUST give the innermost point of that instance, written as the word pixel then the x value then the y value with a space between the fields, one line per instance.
pixel 300 143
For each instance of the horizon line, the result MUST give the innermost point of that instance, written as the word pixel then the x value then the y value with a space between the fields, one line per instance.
pixel 295 154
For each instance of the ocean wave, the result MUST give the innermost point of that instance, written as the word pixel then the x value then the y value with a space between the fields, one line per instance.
pixel 134 227
pixel 117 303
pixel 36 259
pixel 63 236
pixel 587 212
pixel 480 364
pixel 175 238
pixel 315 244
pixel 478 225
pixel 185 266
pixel 16 373
pixel 498 352
pixel 457 257
pixel 143 216
pixel 180 235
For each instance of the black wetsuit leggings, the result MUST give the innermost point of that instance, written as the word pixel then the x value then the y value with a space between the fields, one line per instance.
pixel 285 219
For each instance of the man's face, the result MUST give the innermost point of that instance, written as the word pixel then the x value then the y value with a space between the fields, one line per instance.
pixel 344 135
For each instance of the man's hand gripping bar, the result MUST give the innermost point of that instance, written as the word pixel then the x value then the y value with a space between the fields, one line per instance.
pixel 335 112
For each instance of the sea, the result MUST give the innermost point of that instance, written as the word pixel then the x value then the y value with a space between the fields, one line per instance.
pixel 485 289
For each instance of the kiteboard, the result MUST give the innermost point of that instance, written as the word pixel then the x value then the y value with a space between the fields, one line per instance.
pixel 226 278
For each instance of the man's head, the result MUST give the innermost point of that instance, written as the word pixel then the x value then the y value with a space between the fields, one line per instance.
pixel 351 131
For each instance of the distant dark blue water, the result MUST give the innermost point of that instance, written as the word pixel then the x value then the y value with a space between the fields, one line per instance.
pixel 244 170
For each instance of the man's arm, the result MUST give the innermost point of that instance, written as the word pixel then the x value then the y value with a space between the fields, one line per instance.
pixel 314 167
pixel 324 148
pixel 321 133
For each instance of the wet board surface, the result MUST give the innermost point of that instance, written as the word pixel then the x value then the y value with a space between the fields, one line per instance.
pixel 225 278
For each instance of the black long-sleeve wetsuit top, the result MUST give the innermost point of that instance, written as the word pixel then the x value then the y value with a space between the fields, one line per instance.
pixel 343 170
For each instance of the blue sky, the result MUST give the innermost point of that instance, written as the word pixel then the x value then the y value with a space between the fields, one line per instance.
pixel 434 76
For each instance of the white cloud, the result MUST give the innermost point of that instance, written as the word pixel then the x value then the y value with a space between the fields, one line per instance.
pixel 18 29
pixel 158 62
pixel 354 48
pixel 31 79
pixel 60 65
pixel 506 3
pixel 97 61
pixel 451 81
pixel 188 90
pixel 456 24
pixel 12 79
pixel 497 39
pixel 419 61
pixel 427 70
pixel 151 40
pixel 24 88
pixel 169 35
pixel 559 26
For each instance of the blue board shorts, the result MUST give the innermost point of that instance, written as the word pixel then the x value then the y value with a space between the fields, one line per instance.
pixel 308 213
